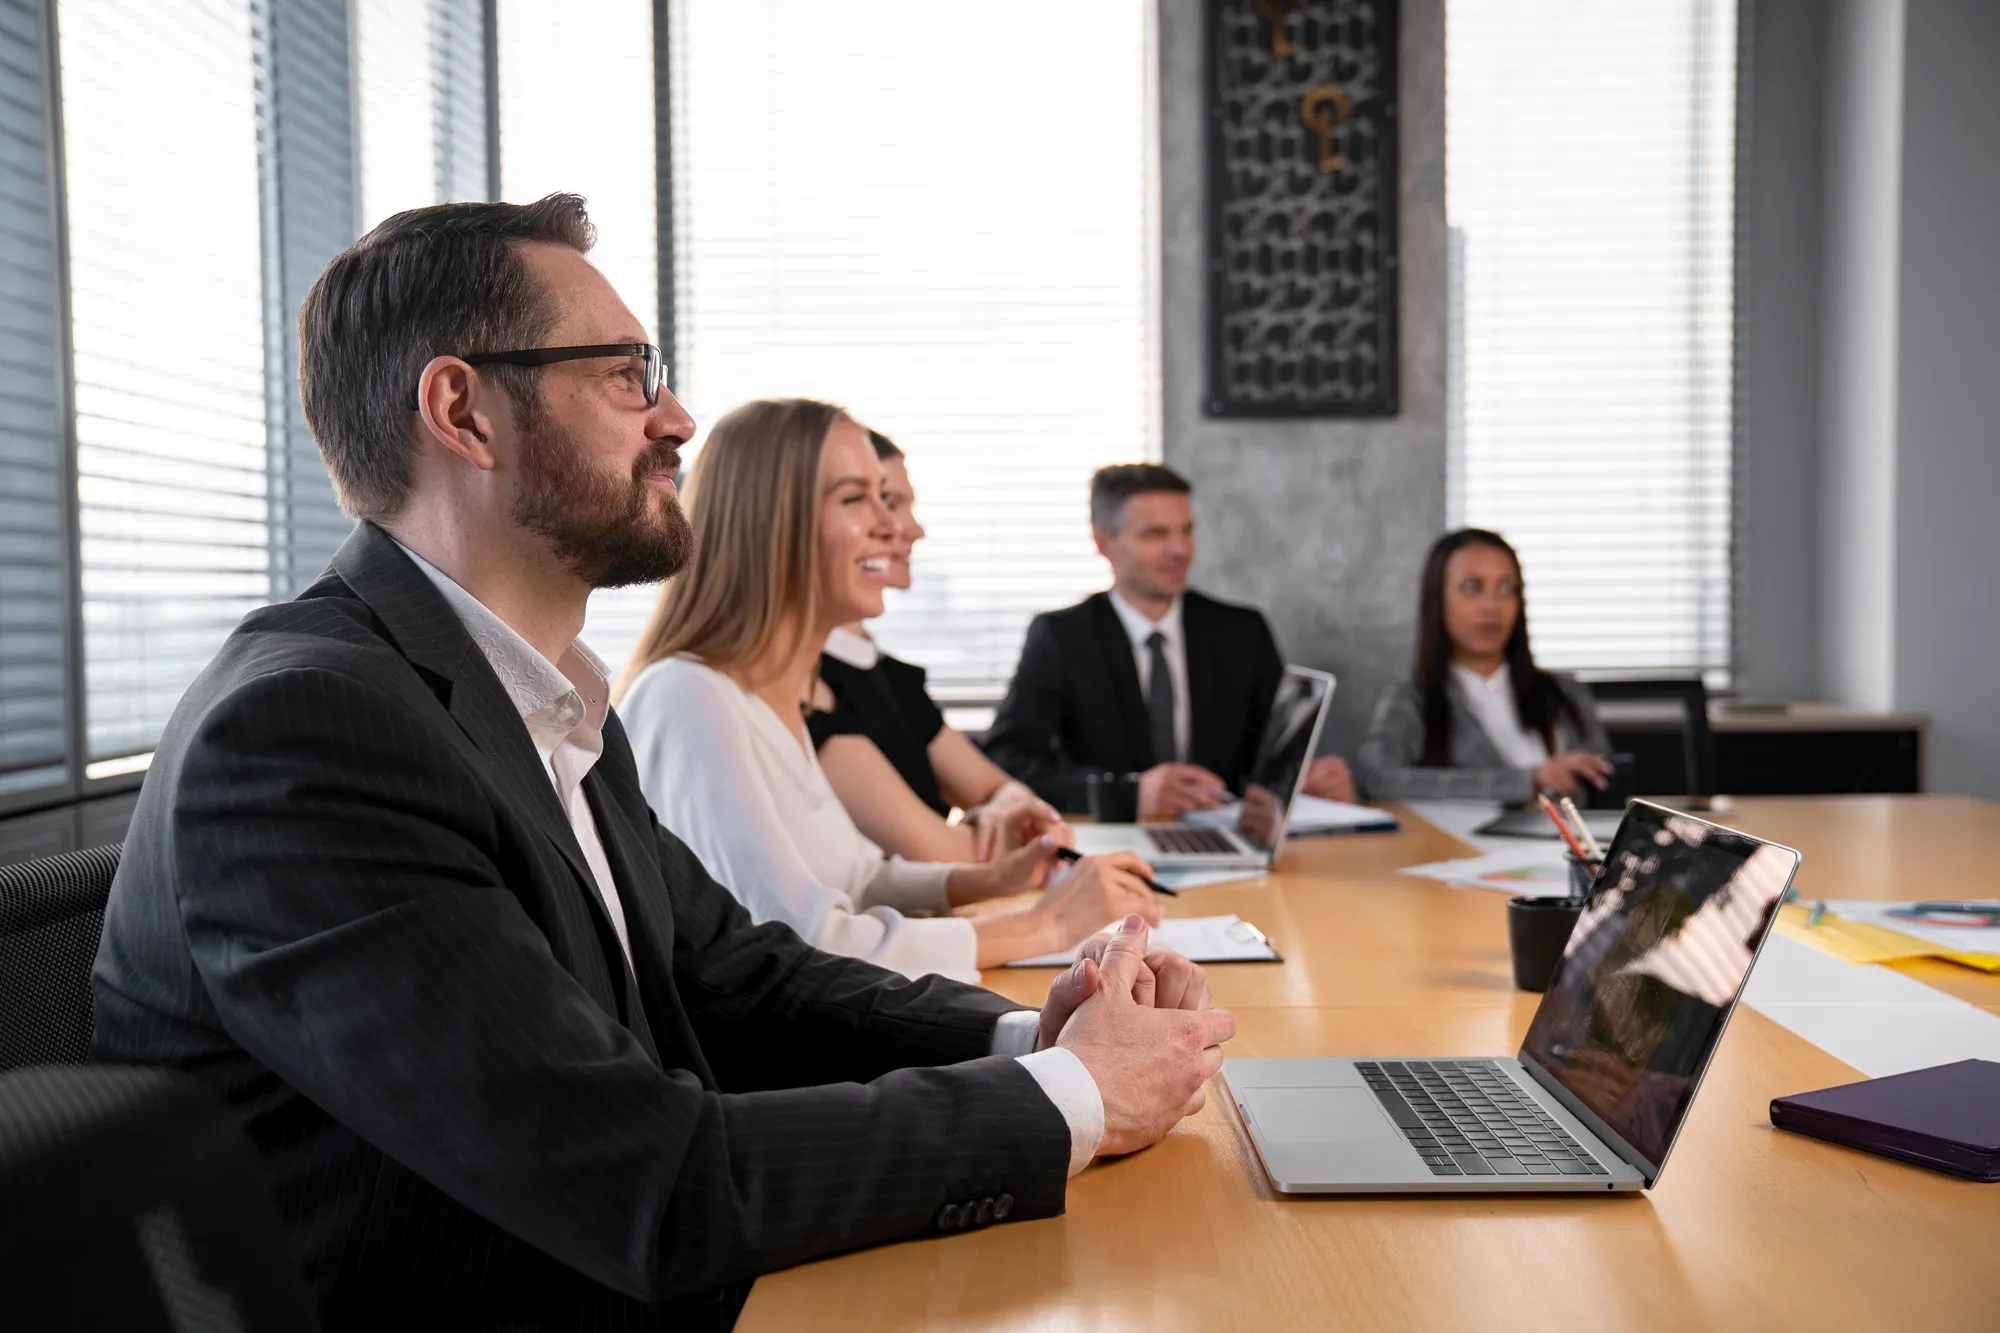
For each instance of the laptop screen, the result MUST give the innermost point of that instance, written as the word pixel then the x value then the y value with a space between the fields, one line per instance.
pixel 1653 968
pixel 1282 756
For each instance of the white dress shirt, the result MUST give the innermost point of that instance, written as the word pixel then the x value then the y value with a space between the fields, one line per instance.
pixel 563 708
pixel 562 704
pixel 1168 627
pixel 1491 699
pixel 750 799
pixel 857 650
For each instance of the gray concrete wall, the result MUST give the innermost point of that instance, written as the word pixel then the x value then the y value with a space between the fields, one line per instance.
pixel 1780 186
pixel 1947 487
pixel 1323 524
pixel 1858 349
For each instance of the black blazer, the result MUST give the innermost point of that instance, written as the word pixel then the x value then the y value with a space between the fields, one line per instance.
pixel 889 704
pixel 1075 707
pixel 351 903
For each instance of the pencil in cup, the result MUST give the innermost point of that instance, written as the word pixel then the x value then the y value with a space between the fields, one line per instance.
pixel 1583 873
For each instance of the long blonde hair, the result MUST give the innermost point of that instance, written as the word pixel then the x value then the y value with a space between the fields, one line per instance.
pixel 750 592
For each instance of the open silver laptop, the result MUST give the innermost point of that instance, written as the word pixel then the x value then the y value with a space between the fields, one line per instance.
pixel 1283 754
pixel 1609 1067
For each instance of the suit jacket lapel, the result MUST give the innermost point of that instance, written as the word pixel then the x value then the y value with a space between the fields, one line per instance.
pixel 1115 648
pixel 428 632
pixel 1205 668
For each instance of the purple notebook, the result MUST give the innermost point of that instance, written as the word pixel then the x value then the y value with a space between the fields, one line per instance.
pixel 1946 1118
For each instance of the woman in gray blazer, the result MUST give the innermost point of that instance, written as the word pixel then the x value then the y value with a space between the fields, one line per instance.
pixel 1479 720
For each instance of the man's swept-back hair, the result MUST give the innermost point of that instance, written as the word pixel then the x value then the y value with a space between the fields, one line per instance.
pixel 1111 487
pixel 448 280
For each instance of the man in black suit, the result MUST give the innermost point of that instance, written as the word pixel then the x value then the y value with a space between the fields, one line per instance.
pixel 512 1058
pixel 1149 678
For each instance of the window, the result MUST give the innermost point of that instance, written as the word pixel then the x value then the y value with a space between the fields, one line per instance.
pixel 33 657
pixel 957 249
pixel 420 72
pixel 1590 151
pixel 160 136
pixel 602 148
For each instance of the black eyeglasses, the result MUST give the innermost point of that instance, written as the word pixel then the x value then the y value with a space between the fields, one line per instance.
pixel 543 356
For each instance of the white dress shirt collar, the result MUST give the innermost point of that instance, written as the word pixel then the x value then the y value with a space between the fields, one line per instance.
pixel 857 650
pixel 563 706
pixel 1139 629
pixel 1491 699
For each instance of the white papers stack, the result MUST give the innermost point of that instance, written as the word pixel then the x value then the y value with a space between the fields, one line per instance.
pixel 1311 815
pixel 1873 1018
pixel 1460 818
pixel 1201 879
pixel 1200 939
pixel 1533 871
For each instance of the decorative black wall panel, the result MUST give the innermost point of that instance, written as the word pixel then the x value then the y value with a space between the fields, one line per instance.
pixel 1302 208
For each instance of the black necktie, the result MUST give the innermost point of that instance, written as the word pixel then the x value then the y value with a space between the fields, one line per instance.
pixel 1160 701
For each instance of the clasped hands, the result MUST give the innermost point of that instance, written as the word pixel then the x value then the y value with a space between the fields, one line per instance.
pixel 1140 1021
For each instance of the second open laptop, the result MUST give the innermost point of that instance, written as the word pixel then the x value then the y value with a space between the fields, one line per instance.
pixel 1610 1065
pixel 1276 774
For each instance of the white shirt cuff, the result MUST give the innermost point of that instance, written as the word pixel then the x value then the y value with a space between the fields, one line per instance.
pixel 1015 1033
pixel 1069 1085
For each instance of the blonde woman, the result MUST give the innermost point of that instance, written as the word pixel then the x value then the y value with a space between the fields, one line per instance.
pixel 791 540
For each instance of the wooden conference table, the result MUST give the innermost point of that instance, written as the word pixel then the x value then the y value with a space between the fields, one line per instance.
pixel 1748 1228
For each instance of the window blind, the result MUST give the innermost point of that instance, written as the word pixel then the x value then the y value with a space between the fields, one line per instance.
pixel 938 215
pixel 33 671
pixel 306 150
pixel 420 73
pixel 1590 160
pixel 160 129
pixel 601 147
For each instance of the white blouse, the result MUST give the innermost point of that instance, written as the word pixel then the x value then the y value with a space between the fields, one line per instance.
pixel 1491 699
pixel 727 778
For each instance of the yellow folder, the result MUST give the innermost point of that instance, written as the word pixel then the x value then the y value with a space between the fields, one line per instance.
pixel 1863 942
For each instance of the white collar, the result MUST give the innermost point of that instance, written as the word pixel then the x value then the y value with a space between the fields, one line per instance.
pixel 538 687
pixel 857 650
pixel 1139 629
pixel 1499 682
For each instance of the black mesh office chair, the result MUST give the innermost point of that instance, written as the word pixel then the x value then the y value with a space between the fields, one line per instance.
pixel 130 1199
pixel 51 913
pixel 1697 775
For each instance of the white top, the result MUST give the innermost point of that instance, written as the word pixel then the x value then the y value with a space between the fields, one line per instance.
pixel 857 650
pixel 562 704
pixel 563 708
pixel 1491 699
pixel 750 799
pixel 1139 629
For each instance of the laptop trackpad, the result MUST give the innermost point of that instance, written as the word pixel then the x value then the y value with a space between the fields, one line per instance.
pixel 1319 1115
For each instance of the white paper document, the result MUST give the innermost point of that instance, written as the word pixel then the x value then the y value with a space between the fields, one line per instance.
pixel 1200 939
pixel 1459 818
pixel 1871 1017
pixel 1201 879
pixel 1311 815
pixel 1533 870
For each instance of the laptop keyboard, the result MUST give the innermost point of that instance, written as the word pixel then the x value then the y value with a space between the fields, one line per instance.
pixel 1191 841
pixel 1468 1118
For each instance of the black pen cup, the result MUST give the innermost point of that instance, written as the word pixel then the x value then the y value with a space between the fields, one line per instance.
pixel 1113 797
pixel 1583 873
pixel 1537 931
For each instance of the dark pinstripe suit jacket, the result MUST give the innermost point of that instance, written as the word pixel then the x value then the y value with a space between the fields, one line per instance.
pixel 351 902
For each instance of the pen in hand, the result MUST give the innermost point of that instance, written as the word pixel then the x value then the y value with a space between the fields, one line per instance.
pixel 1072 854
